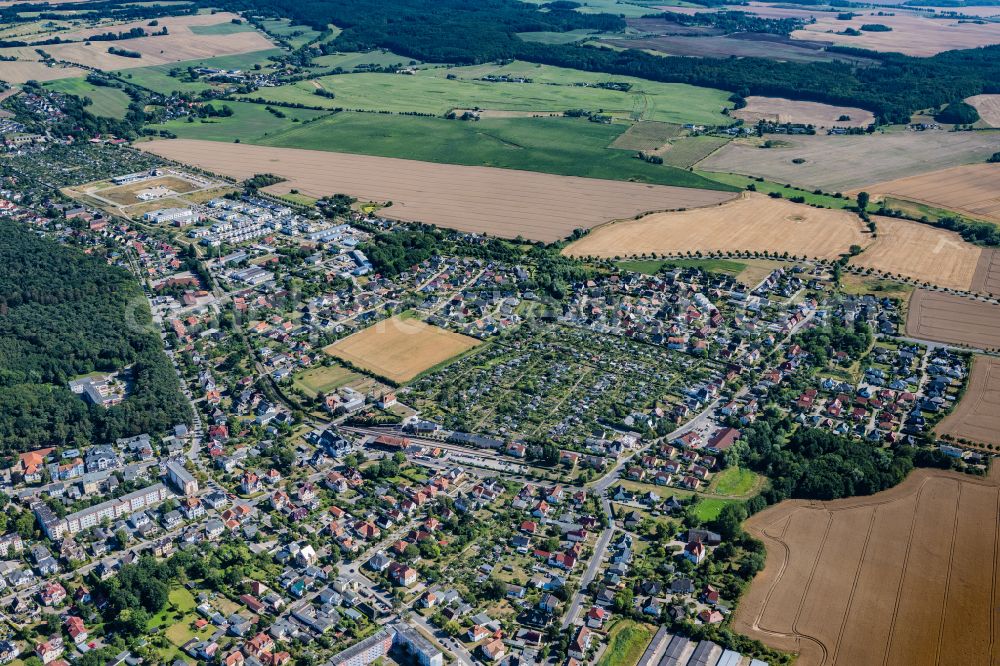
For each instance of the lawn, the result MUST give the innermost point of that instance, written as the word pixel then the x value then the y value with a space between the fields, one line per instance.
pixel 249 122
pixel 564 146
pixel 766 187
pixel 653 266
pixel 158 79
pixel 107 101
pixel 733 481
pixel 551 90
pixel 325 379
pixel 180 601
pixel 709 508
pixel 627 640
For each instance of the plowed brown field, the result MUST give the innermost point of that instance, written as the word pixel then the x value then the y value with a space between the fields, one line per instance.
pixel 753 222
pixel 501 202
pixel 906 576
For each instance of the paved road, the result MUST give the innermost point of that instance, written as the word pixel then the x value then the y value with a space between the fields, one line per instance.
pixel 595 564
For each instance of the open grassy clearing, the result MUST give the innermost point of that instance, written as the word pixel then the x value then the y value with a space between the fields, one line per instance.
pixel 627 640
pixel 841 163
pixel 296 35
pixel 226 28
pixel 646 135
pixel 249 122
pixel 709 508
pixel 688 151
pixel 733 481
pixel 557 37
pixel 400 348
pixel 894 578
pixel 109 102
pixel 653 266
pixel 324 379
pixel 878 287
pixel 610 7
pixel 552 90
pixel 158 79
pixel 752 223
pixel 351 60
pixel 785 190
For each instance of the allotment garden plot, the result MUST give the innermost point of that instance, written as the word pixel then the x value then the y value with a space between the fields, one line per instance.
pixel 555 381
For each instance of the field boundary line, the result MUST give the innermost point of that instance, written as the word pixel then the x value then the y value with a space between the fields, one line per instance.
pixel 996 571
pixel 854 585
pixel 902 577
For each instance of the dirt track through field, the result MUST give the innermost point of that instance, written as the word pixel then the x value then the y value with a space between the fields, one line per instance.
pixel 953 319
pixel 502 202
pixel 973 189
pixel 754 222
pixel 881 580
pixel 977 417
pixel 921 252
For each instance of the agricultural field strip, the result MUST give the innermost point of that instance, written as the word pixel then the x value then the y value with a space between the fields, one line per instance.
pixel 506 202
pixel 972 189
pixel 977 416
pixel 953 319
pixel 987 276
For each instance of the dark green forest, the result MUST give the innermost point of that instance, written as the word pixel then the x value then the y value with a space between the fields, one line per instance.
pixel 63 314
pixel 460 32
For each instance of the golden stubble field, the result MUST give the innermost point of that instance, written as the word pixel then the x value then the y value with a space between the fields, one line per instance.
pixel 753 223
pixel 988 106
pixel 399 349
pixel 501 202
pixel 906 576
pixel 977 416
pixel 921 252
pixel 178 45
pixel 953 319
pixel 776 109
pixel 973 189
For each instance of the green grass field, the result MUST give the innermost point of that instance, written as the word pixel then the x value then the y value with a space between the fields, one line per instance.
pixel 565 146
pixel 249 122
pixel 296 35
pixel 349 61
pixel 653 266
pixel 709 508
pixel 227 28
pixel 557 37
pixel 109 102
pixel 627 640
pixel 552 90
pixel 324 379
pixel 733 481
pixel 157 77
pixel 766 187
pixel 617 7
pixel 690 150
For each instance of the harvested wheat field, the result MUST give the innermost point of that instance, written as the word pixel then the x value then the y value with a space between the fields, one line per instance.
pixel 921 252
pixel 840 163
pixel 977 417
pixel 911 34
pixel 986 279
pixel 752 223
pixel 953 319
pixel 502 202
pixel 179 45
pixel 906 576
pixel 28 70
pixel 973 189
pixel 988 107
pixel 399 349
pixel 776 109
